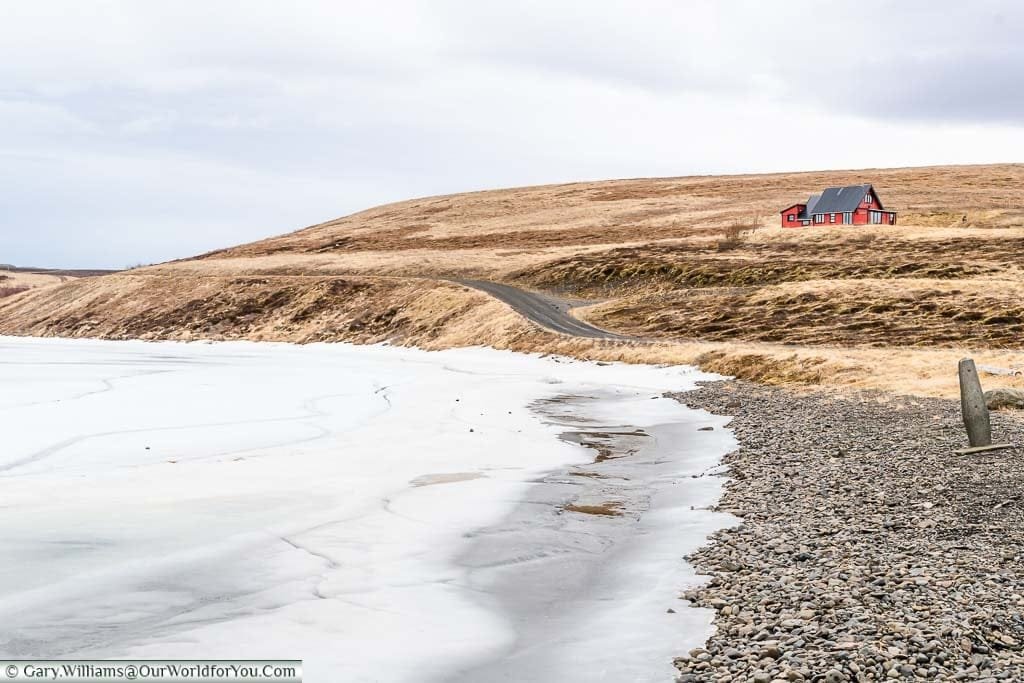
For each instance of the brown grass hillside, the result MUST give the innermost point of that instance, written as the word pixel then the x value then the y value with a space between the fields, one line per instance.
pixel 694 266
pixel 16 281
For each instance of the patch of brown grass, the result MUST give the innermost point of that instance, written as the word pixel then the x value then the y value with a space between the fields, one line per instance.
pixel 26 279
pixel 651 270
pixel 926 313
pixel 763 369
pixel 295 309
pixel 974 218
pixel 610 509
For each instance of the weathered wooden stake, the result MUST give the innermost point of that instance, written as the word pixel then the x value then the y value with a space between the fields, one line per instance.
pixel 972 404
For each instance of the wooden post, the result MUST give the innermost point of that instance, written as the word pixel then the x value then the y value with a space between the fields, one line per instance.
pixel 972 404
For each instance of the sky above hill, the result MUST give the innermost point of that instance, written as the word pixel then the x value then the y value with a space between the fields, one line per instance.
pixel 138 132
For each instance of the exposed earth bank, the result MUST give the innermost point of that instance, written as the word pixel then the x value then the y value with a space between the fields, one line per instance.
pixel 868 550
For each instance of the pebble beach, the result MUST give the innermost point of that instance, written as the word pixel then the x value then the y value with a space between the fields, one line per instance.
pixel 867 550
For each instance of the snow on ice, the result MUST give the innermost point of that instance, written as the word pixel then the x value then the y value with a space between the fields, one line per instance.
pixel 332 503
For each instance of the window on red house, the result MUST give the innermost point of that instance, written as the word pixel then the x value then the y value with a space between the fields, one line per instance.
pixel 791 217
pixel 831 218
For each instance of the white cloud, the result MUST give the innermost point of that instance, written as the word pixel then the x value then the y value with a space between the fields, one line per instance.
pixel 161 129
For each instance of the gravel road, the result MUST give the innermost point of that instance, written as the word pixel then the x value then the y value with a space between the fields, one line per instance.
pixel 868 550
pixel 544 310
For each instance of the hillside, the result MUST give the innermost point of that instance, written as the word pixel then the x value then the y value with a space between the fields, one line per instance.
pixel 695 267
pixel 15 280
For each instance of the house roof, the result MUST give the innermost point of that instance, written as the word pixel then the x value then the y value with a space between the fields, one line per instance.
pixel 811 203
pixel 838 199
pixel 805 209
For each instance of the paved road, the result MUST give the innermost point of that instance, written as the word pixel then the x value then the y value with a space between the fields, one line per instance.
pixel 544 310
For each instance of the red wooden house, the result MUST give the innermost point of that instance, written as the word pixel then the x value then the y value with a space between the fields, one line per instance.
pixel 851 205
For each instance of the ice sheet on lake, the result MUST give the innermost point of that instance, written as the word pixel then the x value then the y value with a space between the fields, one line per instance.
pixel 266 500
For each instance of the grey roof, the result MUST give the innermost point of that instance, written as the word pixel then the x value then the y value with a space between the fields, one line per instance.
pixel 805 213
pixel 811 203
pixel 838 199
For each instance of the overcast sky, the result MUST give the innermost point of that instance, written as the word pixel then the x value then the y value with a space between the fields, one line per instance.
pixel 136 132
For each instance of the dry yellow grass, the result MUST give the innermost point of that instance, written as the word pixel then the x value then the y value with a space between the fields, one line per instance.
pixel 977 312
pixel 263 308
pixel 613 212
pixel 13 278
pixel 611 509
pixel 878 307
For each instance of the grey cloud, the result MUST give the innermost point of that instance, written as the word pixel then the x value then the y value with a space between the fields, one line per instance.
pixel 878 58
pixel 154 132
pixel 969 88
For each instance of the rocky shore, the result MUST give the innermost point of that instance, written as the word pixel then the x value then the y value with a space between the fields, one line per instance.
pixel 868 550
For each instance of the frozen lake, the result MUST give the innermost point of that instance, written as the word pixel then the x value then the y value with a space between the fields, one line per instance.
pixel 384 514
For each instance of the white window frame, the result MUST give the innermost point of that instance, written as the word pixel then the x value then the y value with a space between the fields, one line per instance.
pixel 791 217
pixel 831 218
pixel 867 198
pixel 819 218
pixel 848 218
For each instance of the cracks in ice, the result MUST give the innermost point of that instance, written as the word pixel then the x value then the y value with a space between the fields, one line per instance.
pixel 108 385
pixel 310 407
pixel 383 393
pixel 331 562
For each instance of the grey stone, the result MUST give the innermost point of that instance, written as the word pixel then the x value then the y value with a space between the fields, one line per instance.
pixel 999 399
pixel 881 595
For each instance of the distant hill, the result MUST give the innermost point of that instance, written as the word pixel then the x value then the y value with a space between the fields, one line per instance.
pixel 70 272
pixel 696 267
pixel 18 280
